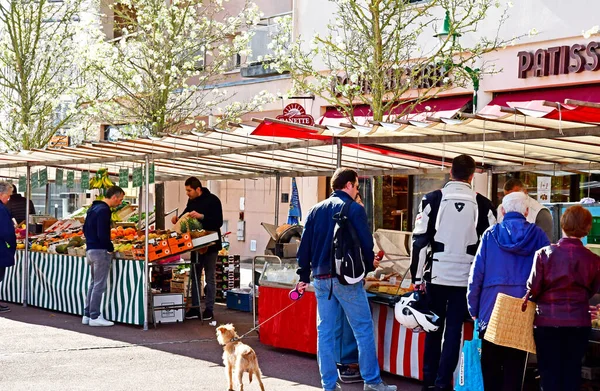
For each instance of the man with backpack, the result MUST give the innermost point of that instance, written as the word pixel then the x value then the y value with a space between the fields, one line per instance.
pixel 447 231
pixel 339 284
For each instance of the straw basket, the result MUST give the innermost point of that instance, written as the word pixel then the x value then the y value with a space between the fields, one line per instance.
pixel 509 326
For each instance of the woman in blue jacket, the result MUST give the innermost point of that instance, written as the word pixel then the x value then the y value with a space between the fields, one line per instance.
pixel 502 265
pixel 8 240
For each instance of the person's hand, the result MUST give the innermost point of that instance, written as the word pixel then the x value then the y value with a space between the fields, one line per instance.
pixel 420 287
pixel 301 286
pixel 174 219
pixel 376 263
pixel 196 215
pixel 474 318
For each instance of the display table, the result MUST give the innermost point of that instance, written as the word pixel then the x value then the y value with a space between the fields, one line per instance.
pixel 60 282
pixel 295 328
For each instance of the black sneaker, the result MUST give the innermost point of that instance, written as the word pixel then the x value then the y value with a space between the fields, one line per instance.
pixel 207 315
pixel 349 373
pixel 4 308
pixel 192 314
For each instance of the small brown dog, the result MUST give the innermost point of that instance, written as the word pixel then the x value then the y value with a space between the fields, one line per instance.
pixel 238 357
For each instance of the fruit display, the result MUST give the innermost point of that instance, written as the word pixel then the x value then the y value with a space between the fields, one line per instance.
pixel 101 180
pixel 190 225
pixel 121 233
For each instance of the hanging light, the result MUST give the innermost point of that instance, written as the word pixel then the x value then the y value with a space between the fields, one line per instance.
pixel 444 32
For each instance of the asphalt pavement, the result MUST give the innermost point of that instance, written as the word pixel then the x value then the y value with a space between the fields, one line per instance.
pixel 45 350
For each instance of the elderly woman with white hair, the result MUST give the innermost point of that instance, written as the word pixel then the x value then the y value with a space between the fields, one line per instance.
pixel 502 265
pixel 8 240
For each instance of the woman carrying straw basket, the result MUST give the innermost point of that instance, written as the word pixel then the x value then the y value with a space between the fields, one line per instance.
pixel 502 265
pixel 564 278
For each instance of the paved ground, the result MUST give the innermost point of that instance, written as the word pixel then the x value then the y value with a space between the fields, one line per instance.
pixel 44 350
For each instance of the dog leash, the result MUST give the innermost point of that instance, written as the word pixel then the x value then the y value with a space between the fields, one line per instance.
pixel 251 330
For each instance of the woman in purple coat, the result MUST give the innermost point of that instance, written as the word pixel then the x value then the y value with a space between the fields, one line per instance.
pixel 502 265
pixel 564 278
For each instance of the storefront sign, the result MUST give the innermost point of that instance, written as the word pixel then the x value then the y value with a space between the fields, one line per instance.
pixel 59 142
pixel 544 188
pixel 296 114
pixel 559 60
pixel 430 76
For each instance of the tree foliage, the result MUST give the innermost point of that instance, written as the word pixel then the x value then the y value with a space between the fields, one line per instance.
pixel 377 51
pixel 168 59
pixel 44 78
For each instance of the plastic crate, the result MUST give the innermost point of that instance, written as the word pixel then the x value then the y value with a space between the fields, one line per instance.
pixel 239 301
pixel 595 226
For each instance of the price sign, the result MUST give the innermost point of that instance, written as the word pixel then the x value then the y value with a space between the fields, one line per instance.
pixel 43 177
pixel 124 178
pixel 71 179
pixel 35 183
pixel 59 177
pixel 151 176
pixel 23 183
pixel 85 180
pixel 138 177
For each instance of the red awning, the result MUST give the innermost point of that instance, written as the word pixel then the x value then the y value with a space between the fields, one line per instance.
pixel 534 100
pixel 442 107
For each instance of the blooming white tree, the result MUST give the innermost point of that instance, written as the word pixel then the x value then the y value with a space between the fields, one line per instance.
pixel 44 78
pixel 375 51
pixel 168 60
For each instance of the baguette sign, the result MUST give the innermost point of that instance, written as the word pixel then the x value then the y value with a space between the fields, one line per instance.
pixel 559 60
pixel 296 114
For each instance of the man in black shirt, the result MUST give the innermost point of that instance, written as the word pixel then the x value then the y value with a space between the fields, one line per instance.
pixel 17 204
pixel 206 207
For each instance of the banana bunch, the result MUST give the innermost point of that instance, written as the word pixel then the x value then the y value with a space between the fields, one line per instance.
pixel 101 180
pixel 115 217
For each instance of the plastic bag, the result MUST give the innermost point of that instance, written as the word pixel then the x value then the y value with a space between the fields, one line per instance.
pixel 470 377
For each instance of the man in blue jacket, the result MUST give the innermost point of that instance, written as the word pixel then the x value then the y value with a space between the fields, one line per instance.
pixel 8 240
pixel 315 255
pixel 99 253
pixel 502 265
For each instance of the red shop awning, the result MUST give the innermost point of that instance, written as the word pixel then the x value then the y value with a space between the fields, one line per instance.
pixel 533 100
pixel 442 107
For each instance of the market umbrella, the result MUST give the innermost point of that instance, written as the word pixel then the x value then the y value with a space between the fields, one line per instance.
pixel 295 212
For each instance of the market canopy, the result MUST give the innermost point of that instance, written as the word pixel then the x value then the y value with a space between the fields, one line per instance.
pixel 565 138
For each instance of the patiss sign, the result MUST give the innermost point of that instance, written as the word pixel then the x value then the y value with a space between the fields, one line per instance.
pixel 296 114
pixel 559 60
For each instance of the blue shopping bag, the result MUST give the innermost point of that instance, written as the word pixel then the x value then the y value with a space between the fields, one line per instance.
pixel 470 377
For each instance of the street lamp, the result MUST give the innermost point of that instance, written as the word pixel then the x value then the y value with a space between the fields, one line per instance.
pixel 473 74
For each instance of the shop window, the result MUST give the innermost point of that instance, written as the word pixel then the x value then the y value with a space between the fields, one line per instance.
pixel 395 202
pixel 560 186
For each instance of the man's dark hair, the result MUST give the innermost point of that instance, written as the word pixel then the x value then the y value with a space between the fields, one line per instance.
pixel 114 191
pixel 193 182
pixel 513 183
pixel 463 166
pixel 341 176
pixel 15 189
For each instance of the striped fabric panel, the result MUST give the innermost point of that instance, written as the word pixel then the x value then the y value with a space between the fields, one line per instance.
pixel 60 282
pixel 400 350
pixel 11 287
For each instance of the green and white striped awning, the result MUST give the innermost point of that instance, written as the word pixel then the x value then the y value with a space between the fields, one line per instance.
pixel 60 283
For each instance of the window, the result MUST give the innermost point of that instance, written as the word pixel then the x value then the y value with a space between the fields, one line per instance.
pixel 124 17
pixel 263 36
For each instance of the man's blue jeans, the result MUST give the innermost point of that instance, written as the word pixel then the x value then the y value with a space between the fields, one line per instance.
pixel 99 261
pixel 353 300
pixel 346 349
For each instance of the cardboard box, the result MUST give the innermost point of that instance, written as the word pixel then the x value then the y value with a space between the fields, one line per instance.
pixel 168 315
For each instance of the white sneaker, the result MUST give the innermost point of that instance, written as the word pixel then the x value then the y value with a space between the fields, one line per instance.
pixel 85 320
pixel 100 322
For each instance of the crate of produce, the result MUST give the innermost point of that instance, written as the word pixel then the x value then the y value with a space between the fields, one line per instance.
pixel 241 301
pixel 154 252
pixel 179 243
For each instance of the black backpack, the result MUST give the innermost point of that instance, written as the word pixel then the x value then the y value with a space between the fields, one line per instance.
pixel 347 264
